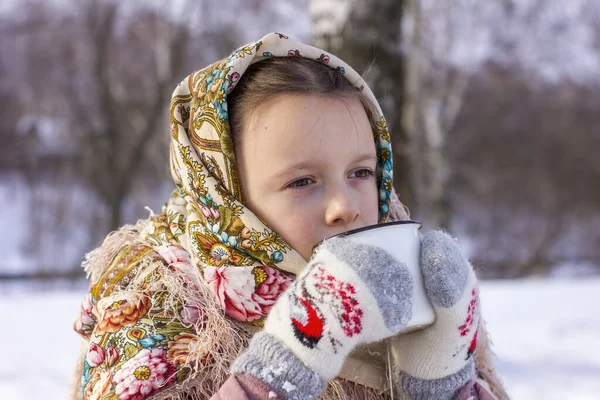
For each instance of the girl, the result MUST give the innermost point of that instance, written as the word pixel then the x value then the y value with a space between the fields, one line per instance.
pixel 273 149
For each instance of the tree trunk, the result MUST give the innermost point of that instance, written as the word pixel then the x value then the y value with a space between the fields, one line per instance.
pixel 116 211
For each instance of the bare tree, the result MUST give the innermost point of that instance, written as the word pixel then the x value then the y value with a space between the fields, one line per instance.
pixel 117 99
pixel 437 75
pixel 88 101
pixel 523 184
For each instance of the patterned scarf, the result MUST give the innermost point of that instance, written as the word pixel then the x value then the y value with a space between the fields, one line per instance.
pixel 147 319
pixel 205 215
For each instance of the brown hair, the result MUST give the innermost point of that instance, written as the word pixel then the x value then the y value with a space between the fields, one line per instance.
pixel 287 75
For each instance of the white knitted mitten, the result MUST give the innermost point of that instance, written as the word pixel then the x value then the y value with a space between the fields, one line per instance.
pixel 348 294
pixel 436 362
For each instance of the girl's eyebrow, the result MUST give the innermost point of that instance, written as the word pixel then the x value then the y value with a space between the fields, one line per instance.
pixel 292 168
pixel 366 157
pixel 307 164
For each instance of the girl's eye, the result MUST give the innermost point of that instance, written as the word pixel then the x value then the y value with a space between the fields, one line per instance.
pixel 362 173
pixel 300 183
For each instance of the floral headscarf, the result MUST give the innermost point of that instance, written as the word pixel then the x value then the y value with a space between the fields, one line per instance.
pixel 137 332
pixel 205 214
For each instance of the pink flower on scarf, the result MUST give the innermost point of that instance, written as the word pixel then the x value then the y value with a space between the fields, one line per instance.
pixel 268 291
pixel 95 355
pixel 205 211
pixel 191 314
pixel 112 356
pixel 146 373
pixel 210 212
pixel 99 385
pixel 173 255
pixel 179 261
pixel 85 322
pixel 246 293
pixel 87 304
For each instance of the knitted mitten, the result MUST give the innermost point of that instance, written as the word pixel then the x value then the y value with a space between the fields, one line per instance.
pixel 436 362
pixel 347 295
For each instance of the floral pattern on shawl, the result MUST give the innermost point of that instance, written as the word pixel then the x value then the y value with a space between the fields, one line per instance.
pixel 246 294
pixel 142 338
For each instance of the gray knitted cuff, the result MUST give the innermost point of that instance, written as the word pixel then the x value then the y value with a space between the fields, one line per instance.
pixel 271 362
pixel 436 389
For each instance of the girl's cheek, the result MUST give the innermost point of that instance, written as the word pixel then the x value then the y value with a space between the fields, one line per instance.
pixel 304 219
pixel 302 229
pixel 369 204
pixel 305 201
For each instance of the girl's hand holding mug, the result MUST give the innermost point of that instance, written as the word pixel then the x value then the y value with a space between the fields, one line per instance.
pixel 354 293
pixel 349 294
pixel 436 362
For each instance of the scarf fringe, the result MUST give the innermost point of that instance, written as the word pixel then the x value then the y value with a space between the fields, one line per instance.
pixel 398 211
pixel 484 363
pixel 210 357
pixel 75 389
pixel 341 389
pixel 96 261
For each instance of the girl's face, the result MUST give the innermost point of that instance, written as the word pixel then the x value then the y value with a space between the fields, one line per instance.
pixel 307 167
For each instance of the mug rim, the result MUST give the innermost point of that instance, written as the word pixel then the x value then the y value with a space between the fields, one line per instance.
pixel 368 228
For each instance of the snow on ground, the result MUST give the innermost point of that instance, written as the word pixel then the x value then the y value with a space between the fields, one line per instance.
pixel 547 337
pixel 546 334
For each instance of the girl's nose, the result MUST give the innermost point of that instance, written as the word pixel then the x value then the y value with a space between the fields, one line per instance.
pixel 341 209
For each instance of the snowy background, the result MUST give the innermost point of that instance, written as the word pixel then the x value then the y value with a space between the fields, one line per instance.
pixel 532 68
pixel 545 332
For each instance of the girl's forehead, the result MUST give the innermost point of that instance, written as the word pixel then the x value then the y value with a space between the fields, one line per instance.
pixel 310 122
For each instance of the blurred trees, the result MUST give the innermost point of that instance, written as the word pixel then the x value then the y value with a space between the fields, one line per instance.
pixel 525 142
pixel 113 77
pixel 492 107
pixel 529 154
pixel 115 87
pixel 85 94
